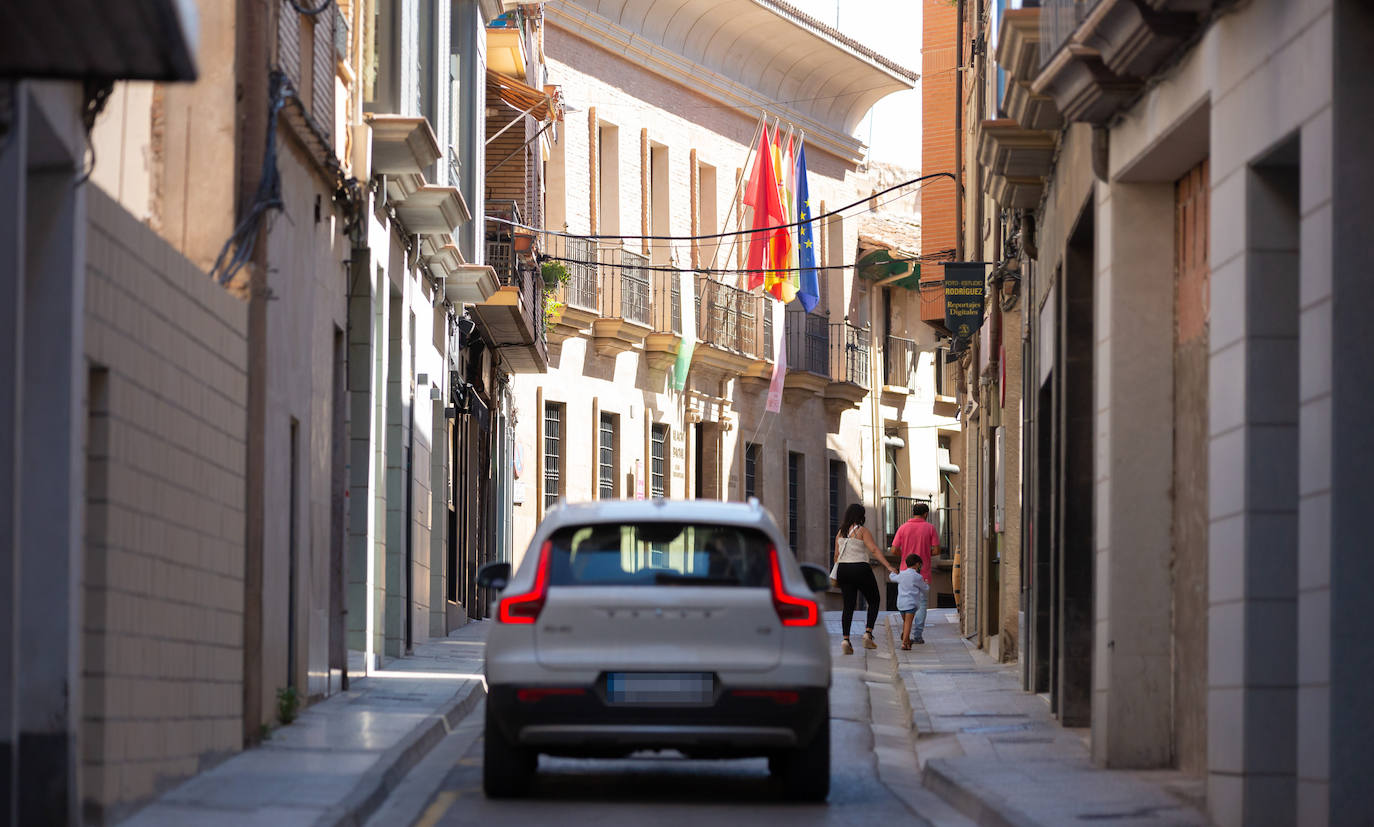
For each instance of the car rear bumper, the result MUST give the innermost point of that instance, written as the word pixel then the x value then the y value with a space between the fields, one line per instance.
pixel 586 724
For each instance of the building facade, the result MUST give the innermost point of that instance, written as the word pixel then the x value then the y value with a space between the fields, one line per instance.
pixel 643 186
pixel 1180 185
pixel 246 257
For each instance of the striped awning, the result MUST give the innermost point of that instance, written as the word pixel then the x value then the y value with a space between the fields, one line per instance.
pixel 520 96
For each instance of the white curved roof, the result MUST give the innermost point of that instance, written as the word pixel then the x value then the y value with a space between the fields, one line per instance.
pixel 789 60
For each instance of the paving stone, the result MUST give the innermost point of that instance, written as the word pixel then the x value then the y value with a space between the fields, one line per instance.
pixel 339 759
pixel 997 754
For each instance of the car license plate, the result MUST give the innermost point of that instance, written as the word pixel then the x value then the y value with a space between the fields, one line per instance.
pixel 660 688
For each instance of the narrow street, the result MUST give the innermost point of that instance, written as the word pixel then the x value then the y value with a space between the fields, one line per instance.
pixel 873 778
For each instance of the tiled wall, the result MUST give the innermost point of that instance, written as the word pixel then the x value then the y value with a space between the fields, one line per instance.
pixel 163 591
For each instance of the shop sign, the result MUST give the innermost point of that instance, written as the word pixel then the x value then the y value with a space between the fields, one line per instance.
pixel 965 286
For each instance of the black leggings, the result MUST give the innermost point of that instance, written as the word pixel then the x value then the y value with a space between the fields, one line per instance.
pixel 855 578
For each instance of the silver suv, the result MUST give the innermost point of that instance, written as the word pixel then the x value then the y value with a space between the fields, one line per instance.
pixel 648 625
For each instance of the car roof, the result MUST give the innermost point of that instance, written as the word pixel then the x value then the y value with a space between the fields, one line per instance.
pixel 655 510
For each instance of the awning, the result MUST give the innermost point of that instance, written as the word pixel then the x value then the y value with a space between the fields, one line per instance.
pixel 520 96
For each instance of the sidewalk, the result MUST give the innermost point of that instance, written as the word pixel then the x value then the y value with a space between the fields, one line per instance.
pixel 996 754
pixel 341 758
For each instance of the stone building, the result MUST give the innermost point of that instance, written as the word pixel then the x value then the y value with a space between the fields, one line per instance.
pixel 1185 184
pixel 236 302
pixel 659 125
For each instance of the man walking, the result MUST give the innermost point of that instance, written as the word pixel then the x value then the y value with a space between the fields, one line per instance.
pixel 918 537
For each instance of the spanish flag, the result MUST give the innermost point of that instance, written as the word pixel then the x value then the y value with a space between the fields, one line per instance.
pixel 768 248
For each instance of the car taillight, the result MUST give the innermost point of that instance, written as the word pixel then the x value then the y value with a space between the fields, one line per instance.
pixel 525 608
pixel 792 610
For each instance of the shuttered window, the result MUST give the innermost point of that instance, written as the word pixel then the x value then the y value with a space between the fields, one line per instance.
pixel 553 452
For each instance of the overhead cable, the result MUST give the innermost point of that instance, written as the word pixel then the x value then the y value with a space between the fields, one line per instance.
pixel 834 212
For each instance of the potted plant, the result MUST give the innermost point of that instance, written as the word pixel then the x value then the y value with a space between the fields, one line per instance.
pixel 555 274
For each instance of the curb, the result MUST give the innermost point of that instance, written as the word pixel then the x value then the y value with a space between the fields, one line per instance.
pixel 900 686
pixel 379 781
pixel 942 781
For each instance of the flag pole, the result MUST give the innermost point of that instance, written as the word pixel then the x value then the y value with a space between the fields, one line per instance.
pixel 758 129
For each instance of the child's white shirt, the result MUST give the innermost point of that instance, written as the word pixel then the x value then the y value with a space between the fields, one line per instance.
pixel 911 589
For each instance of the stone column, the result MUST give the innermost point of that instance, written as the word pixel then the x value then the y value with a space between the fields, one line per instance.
pixel 1253 490
pixel 1133 469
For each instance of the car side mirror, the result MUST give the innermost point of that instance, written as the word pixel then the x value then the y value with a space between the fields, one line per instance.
pixel 816 577
pixel 494 575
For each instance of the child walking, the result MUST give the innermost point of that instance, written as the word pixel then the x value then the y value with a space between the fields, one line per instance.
pixel 911 599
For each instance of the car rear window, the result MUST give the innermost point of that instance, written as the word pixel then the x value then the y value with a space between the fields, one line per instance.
pixel 660 554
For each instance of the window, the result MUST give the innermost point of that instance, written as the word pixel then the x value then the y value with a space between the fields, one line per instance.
pixel 658 200
pixel 751 470
pixel 837 475
pixel 608 178
pixel 553 452
pixel 660 553
pixel 940 372
pixel 605 466
pixel 658 477
pixel 707 221
pixel 794 499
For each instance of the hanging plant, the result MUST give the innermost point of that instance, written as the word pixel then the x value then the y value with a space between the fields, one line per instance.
pixel 555 273
pixel 553 311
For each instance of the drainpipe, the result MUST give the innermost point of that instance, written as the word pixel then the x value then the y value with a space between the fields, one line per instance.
pixel 959 134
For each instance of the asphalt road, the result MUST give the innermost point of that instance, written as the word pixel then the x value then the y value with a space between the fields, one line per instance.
pixel 660 789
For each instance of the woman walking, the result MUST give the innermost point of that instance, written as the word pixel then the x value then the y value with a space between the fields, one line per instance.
pixel 853 546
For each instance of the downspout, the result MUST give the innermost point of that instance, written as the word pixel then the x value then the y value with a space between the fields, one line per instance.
pixel 959 133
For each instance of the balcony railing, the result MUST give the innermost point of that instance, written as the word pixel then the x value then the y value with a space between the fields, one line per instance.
pixel 666 304
pixel 808 342
pixel 727 317
pixel 1058 20
pixel 581 288
pixel 766 310
pixel 850 359
pixel 900 358
pixel 634 286
pixel 897 510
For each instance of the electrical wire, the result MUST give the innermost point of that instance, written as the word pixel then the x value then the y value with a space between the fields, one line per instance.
pixel 238 248
pixel 731 234
pixel 659 268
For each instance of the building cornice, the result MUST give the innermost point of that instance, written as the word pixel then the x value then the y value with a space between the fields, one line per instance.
pixel 698 78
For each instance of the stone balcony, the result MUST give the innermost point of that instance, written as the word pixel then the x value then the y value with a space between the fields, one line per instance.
pixel 1096 55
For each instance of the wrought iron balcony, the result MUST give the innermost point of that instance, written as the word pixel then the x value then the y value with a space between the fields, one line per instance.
pixel 666 304
pixel 727 317
pixel 633 287
pixel 900 359
pixel 851 351
pixel 1096 55
pixel 513 316
pixel 1058 21
pixel 808 343
pixel 580 291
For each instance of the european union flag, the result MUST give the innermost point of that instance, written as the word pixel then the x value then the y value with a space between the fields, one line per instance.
pixel 810 292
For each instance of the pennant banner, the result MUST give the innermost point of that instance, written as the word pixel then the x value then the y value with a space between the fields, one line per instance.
pixel 687 293
pixel 779 359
